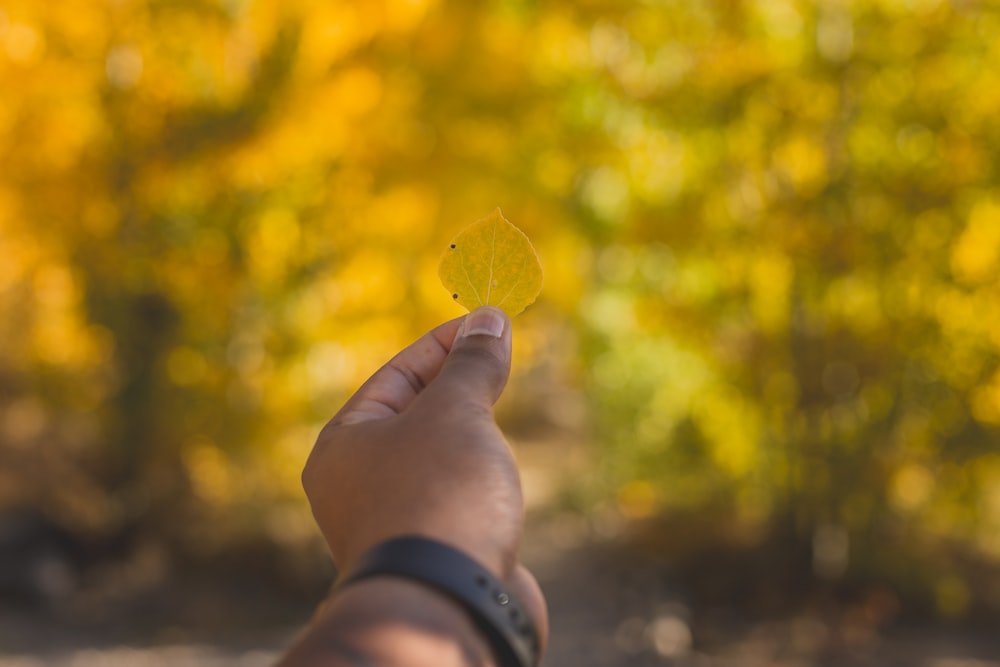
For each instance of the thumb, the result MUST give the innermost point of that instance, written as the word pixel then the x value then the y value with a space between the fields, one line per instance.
pixel 478 364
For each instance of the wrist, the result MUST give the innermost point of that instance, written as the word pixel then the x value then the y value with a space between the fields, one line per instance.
pixel 391 621
pixel 496 611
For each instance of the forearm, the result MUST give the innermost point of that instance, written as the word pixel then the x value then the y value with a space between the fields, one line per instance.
pixel 390 622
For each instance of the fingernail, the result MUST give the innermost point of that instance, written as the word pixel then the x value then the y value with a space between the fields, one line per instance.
pixel 483 321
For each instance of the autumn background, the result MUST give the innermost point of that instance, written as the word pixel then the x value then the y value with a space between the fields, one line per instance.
pixel 766 357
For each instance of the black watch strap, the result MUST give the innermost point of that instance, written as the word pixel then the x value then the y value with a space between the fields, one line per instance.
pixel 494 609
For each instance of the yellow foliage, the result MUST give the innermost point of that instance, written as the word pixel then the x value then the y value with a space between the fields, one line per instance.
pixel 912 486
pixel 975 257
pixel 356 92
pixel 186 366
pixel 857 301
pixel 770 281
pixel 771 237
pixel 564 278
pixel 986 402
pixel 208 470
pixel 732 426
pixel 639 499
pixel 333 30
pixel 272 244
pixel 403 214
pixel 370 281
pixel 803 161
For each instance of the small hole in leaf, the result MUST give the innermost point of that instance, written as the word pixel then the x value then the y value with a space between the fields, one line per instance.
pixel 452 246
pixel 454 296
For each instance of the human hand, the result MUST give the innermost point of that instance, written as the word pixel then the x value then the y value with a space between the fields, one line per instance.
pixel 416 451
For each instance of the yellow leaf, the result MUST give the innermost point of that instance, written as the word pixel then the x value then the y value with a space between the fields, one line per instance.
pixel 492 263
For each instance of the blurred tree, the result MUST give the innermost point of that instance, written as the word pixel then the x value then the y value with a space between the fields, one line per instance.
pixel 795 334
pixel 772 225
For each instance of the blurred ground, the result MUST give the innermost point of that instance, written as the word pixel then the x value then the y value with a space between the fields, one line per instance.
pixel 610 605
pixel 608 609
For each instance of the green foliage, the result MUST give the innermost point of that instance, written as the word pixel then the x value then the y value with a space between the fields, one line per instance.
pixel 806 326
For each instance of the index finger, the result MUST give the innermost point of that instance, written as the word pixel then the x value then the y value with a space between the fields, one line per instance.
pixel 394 386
